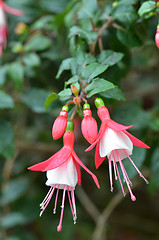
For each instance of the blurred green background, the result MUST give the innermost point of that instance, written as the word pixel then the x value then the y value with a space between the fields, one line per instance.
pixel 28 71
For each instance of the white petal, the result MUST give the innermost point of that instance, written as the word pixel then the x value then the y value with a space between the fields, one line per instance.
pixel 66 174
pixel 112 140
pixel 3 21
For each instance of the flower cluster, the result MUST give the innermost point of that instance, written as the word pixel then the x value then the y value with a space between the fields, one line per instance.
pixel 63 168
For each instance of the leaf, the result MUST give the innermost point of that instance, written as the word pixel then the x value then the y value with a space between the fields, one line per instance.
pixel 109 57
pixel 3 70
pixel 93 70
pixel 88 9
pixel 12 219
pixel 98 85
pixel 6 139
pixel 34 98
pixel 114 93
pixel 5 100
pixel 65 94
pixel 129 38
pixel 65 65
pixel 54 5
pixel 50 99
pixel 73 79
pixel 38 43
pixel 32 60
pixel 89 36
pixel 146 7
pixel 155 165
pixel 15 71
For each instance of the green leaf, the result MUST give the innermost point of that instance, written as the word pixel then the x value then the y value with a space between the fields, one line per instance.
pixel 50 99
pixel 34 98
pixel 6 139
pixel 89 36
pixel 98 85
pixel 93 70
pixel 65 65
pixel 146 7
pixel 155 165
pixel 73 79
pixel 88 9
pixel 3 70
pixel 114 93
pixel 15 71
pixel 109 57
pixel 42 22
pixel 54 5
pixel 5 100
pixel 32 60
pixel 38 43
pixel 12 219
pixel 129 38
pixel 65 94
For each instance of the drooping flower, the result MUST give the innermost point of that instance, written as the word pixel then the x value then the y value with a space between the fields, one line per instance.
pixel 60 124
pixel 116 143
pixel 89 125
pixel 157 36
pixel 63 172
pixel 3 23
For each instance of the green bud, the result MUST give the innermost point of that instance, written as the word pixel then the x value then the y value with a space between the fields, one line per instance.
pixel 65 108
pixel 99 102
pixel 70 126
pixel 86 106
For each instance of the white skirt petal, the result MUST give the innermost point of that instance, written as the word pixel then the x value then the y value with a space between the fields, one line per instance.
pixel 66 174
pixel 112 140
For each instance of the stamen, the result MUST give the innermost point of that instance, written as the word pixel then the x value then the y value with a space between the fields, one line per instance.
pixel 115 164
pixel 110 175
pixel 116 178
pixel 46 195
pixel 54 211
pixel 45 202
pixel 140 174
pixel 48 200
pixel 74 205
pixel 69 198
pixel 59 227
pixel 133 198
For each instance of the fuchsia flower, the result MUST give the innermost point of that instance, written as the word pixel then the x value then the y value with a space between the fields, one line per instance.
pixel 63 172
pixel 3 23
pixel 89 125
pixel 116 143
pixel 60 124
pixel 157 36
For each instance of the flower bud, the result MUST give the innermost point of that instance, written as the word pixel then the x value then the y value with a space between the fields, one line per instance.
pixel 157 36
pixel 75 91
pixel 76 100
pixel 89 125
pixel 60 124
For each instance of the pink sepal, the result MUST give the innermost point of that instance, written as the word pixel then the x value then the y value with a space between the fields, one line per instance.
pixel 116 126
pixel 78 172
pixel 54 161
pixel 85 168
pixel 101 131
pixel 89 129
pixel 12 10
pixel 136 142
pixel 98 159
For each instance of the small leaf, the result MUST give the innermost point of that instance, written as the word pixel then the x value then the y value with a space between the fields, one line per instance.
pixel 88 9
pixel 98 85
pixel 73 79
pixel 93 70
pixel 65 94
pixel 129 38
pixel 38 43
pixel 109 57
pixel 146 7
pixel 50 99
pixel 32 60
pixel 3 70
pixel 114 93
pixel 5 100
pixel 155 165
pixel 89 36
pixel 65 65
pixel 15 71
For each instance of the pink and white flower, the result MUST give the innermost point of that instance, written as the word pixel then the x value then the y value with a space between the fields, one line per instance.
pixel 63 172
pixel 3 23
pixel 116 143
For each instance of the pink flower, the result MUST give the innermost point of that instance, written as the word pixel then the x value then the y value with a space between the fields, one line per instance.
pixel 63 172
pixel 89 125
pixel 116 143
pixel 3 23
pixel 60 124
pixel 157 37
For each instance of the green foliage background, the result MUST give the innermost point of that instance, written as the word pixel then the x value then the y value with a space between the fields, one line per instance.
pixel 55 50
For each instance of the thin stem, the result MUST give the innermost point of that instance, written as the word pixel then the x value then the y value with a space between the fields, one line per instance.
pixel 73 114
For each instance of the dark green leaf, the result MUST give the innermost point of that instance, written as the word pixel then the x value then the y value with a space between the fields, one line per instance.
pixel 34 98
pixel 155 165
pixel 114 93
pixel 54 5
pixel 72 80
pixel 5 100
pixel 65 65
pixel 146 7
pixel 3 70
pixel 32 60
pixel 50 99
pixel 98 85
pixel 89 36
pixel 88 9
pixel 65 94
pixel 109 57
pixel 128 38
pixel 93 70
pixel 15 71
pixel 38 43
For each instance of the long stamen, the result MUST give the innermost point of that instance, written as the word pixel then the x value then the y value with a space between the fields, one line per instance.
pixel 46 196
pixel 116 178
pixel 48 200
pixel 133 198
pixel 57 193
pixel 110 175
pixel 118 174
pixel 69 198
pixel 141 175
pixel 74 205
pixel 59 227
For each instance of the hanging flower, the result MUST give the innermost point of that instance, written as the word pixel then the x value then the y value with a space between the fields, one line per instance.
pixel 3 23
pixel 60 124
pixel 157 36
pixel 63 172
pixel 116 143
pixel 89 125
